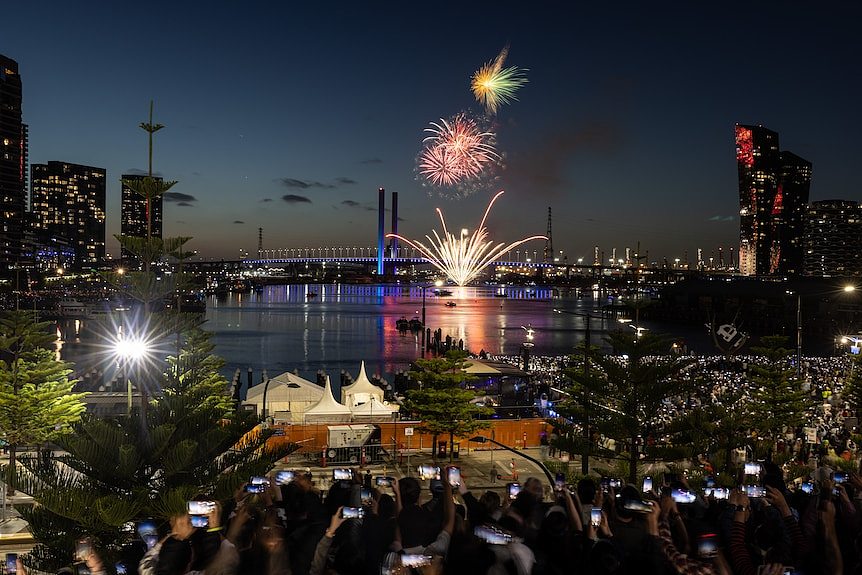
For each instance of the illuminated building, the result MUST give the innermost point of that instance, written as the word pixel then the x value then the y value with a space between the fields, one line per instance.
pixel 13 165
pixel 68 201
pixel 133 213
pixel 833 234
pixel 773 193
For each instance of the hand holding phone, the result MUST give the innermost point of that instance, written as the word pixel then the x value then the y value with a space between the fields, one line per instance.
pixel 11 563
pixel 352 512
pixel 454 476
pixel 596 517
pixel 513 489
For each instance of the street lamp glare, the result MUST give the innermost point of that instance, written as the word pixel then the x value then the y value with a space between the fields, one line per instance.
pixel 131 349
pixel 849 288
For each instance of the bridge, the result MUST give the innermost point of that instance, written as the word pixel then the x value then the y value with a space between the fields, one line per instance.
pixel 368 255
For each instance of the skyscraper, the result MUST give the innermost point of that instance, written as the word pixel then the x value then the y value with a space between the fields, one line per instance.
pixel 13 164
pixel 773 193
pixel 133 213
pixel 833 234
pixel 68 201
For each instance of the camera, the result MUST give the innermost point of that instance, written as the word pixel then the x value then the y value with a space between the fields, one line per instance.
pixel 513 489
pixel 284 477
pixel 342 474
pixel 352 512
pixel 429 472
pixel 454 476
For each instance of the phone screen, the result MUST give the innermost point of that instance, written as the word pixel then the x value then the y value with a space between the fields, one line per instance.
pixel 683 496
pixel 754 491
pixel 647 486
pixel 415 560
pixel 83 549
pixel 559 481
pixel 352 512
pixel 121 568
pixel 637 505
pixel 201 507
pixel 752 468
pixel 429 472
pixel 454 476
pixel 717 492
pixel 807 487
pixel 383 481
pixel 839 477
pixel 365 496
pixel 596 516
pixel 513 489
pixel 284 477
pixel 11 563
pixel 342 474
pixel 707 545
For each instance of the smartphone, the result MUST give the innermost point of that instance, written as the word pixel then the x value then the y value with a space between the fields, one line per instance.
pixel 384 481
pixel 559 481
pixel 148 533
pixel 707 545
pixel 596 516
pixel 839 476
pixel 415 560
pixel 365 496
pixel 199 512
pixel 647 486
pixel 807 487
pixel 717 492
pixel 11 563
pixel 200 521
pixel 352 512
pixel 491 535
pixel 754 490
pixel 342 474
pixel 638 505
pixel 513 489
pixel 752 468
pixel 284 477
pixel 83 549
pixel 429 472
pixel 120 568
pixel 454 476
pixel 683 496
pixel 256 487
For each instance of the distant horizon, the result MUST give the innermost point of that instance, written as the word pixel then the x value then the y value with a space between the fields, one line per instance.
pixel 289 118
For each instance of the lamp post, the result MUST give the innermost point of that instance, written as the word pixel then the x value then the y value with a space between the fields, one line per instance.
pixel 290 385
pixel 585 456
pixel 846 289
pixel 131 350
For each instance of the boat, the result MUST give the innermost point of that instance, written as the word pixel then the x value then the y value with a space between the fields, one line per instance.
pixel 450 304
pixel 442 292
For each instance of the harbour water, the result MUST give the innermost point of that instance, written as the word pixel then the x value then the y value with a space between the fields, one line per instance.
pixel 335 326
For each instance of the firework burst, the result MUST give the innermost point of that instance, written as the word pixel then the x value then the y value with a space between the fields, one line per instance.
pixel 463 257
pixel 494 85
pixel 455 151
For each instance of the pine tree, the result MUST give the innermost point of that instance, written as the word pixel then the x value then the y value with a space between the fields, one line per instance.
pixel 112 472
pixel 627 391
pixel 441 403
pixel 36 399
pixel 853 387
pixel 778 400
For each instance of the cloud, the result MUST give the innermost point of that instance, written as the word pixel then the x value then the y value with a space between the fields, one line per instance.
pixel 185 204
pixel 294 184
pixel 294 199
pixel 345 181
pixel 720 219
pixel 137 172
pixel 266 200
pixel 369 209
pixel 238 222
pixel 196 174
pixel 371 161
pixel 400 219
pixel 351 203
pixel 180 197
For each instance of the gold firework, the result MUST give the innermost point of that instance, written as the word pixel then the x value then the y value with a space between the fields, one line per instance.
pixel 493 85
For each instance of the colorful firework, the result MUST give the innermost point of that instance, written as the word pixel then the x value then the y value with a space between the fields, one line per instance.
pixel 463 257
pixel 493 85
pixel 456 150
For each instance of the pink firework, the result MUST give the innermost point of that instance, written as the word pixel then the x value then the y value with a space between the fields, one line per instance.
pixel 456 150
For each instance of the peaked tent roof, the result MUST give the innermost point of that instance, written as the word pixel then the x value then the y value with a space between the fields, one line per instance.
pixel 374 407
pixel 327 404
pixel 362 385
pixel 279 386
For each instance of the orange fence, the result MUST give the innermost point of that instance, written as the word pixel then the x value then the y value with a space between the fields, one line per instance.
pixel 517 433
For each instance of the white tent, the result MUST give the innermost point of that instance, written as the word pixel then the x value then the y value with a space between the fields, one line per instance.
pixel 374 410
pixel 327 409
pixel 287 398
pixel 360 391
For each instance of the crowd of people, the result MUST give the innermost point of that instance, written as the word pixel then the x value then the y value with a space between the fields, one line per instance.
pixel 434 526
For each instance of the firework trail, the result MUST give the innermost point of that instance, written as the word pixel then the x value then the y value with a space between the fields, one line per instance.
pixel 462 258
pixel 493 85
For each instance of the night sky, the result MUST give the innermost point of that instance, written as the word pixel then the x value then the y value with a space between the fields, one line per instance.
pixel 289 116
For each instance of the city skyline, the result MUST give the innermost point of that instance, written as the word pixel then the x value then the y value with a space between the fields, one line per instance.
pixel 626 120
